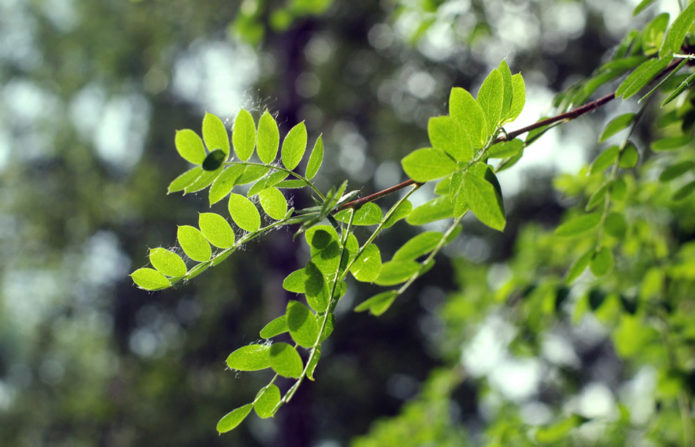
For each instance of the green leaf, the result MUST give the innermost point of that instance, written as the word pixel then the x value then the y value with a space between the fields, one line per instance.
pixel 293 146
pixel 315 288
pixel 670 143
pixel 684 191
pixel 325 248
pixel 184 180
pixel 643 4
pixel 266 401
pixel 291 184
pixel 193 243
pixel 579 266
pixel 616 225
pixel 224 183
pixel 214 160
pixel 435 209
pixel 313 361
pixel 285 360
pixel 506 148
pixel 367 214
pixel 676 170
pixel 503 69
pixel 167 262
pixel 598 196
pixel 629 156
pixel 252 173
pixel 616 125
pixel 270 179
pixel 602 262
pixel 653 34
pixel 676 33
pixel 484 200
pixel 423 165
pixel 315 159
pixel 244 213
pixel 578 225
pixel 456 195
pixel 680 89
pixel 215 134
pixel 491 99
pixel 216 230
pixel 232 419
pixel 244 135
pixel 641 76
pixel 302 324
pixel 367 267
pixel 401 213
pixel 396 272
pixel 518 97
pixel 150 279
pixel 417 246
pixel 618 189
pixel 274 327
pixel 378 304
pixel 273 203
pixel 466 110
pixel 204 180
pixel 189 146
pixel 250 358
pixel 447 134
pixel 268 138
pixel 605 159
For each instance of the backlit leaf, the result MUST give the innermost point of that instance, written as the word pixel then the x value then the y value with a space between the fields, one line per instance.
pixel 605 159
pixel 616 125
pixel 250 358
pixel 378 304
pixel 150 279
pixel 302 324
pixel 642 5
pixel 484 200
pixel 270 179
pixel 251 174
pixel 273 203
pixel 503 69
pixel 427 164
pixel 224 183
pixel 274 327
pixel 684 191
pixel 167 262
pixel 184 180
pixel 367 267
pixel 579 266
pixel 315 159
pixel 204 180
pixel 491 99
pixel 193 243
pixel 293 146
pixel 447 134
pixel 215 134
pixel 506 148
pixel 244 213
pixel 216 230
pixel 402 212
pixel 616 225
pixel 244 135
pixel 465 109
pixel 232 419
pixel 417 246
pixel 676 170
pixel 670 143
pixel 641 76
pixel 629 156
pixel 325 248
pixel 268 138
pixel 396 272
pixel 435 209
pixel 677 31
pixel 189 146
pixel 367 214
pixel 266 401
pixel 518 97
pixel 285 360
pixel 602 262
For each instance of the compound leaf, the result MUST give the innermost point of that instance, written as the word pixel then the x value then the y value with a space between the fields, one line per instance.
pixel 193 243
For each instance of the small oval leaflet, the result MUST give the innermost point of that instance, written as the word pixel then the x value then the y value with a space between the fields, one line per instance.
pixel 315 159
pixel 396 272
pixel 294 146
pixel 215 134
pixel 184 180
pixel 423 165
pixel 274 327
pixel 244 135
pixel 378 304
pixel 578 224
pixel 602 262
pixel 266 401
pixel 189 146
pixel 216 230
pixel 285 360
pixel 268 138
pixel 302 324
pixel 167 262
pixel 250 358
pixel 150 279
pixel 273 203
pixel 214 160
pixel 193 243
pixel 244 213
pixel 368 266
pixel 232 419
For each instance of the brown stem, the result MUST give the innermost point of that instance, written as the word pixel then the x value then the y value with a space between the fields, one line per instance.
pixel 567 116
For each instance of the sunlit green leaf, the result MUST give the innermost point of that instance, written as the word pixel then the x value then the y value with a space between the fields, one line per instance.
pixel 491 99
pixel 367 267
pixel 465 109
pixel 150 279
pixel 687 83
pixel 670 143
pixel 302 324
pixel 579 266
pixel 205 179
pixel 378 304
pixel 232 419
pixel 396 272
pixel 417 246
pixel 615 125
pixel 193 243
pixel 642 5
pixel 270 179
pixel 250 358
pixel 484 200
pixel 273 203
pixel 167 262
pixel 252 173
pixel 629 156
pixel 325 248
pixel 602 262
pixel 598 197
pixel 216 230
pixel 447 134
pixel 616 225
pixel 315 159
pixel 578 224
pixel 518 97
pixel 189 146
pixel 215 134
pixel 401 213
pixel 677 31
pixel 184 180
pixel 268 138
pixel 506 148
pixel 274 327
pixel 605 159
pixel 224 183
pixel 427 164
pixel 244 213
pixel 285 360
pixel 244 135
pixel 293 146
pixel 266 401
pixel 503 69
pixel 435 209
pixel 641 76
pixel 367 214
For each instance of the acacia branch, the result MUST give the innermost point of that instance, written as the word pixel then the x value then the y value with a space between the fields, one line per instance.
pixel 566 116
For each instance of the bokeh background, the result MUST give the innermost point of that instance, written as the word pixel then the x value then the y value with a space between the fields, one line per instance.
pixel 91 93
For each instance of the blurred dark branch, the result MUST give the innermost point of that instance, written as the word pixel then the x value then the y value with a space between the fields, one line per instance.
pixel 566 116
